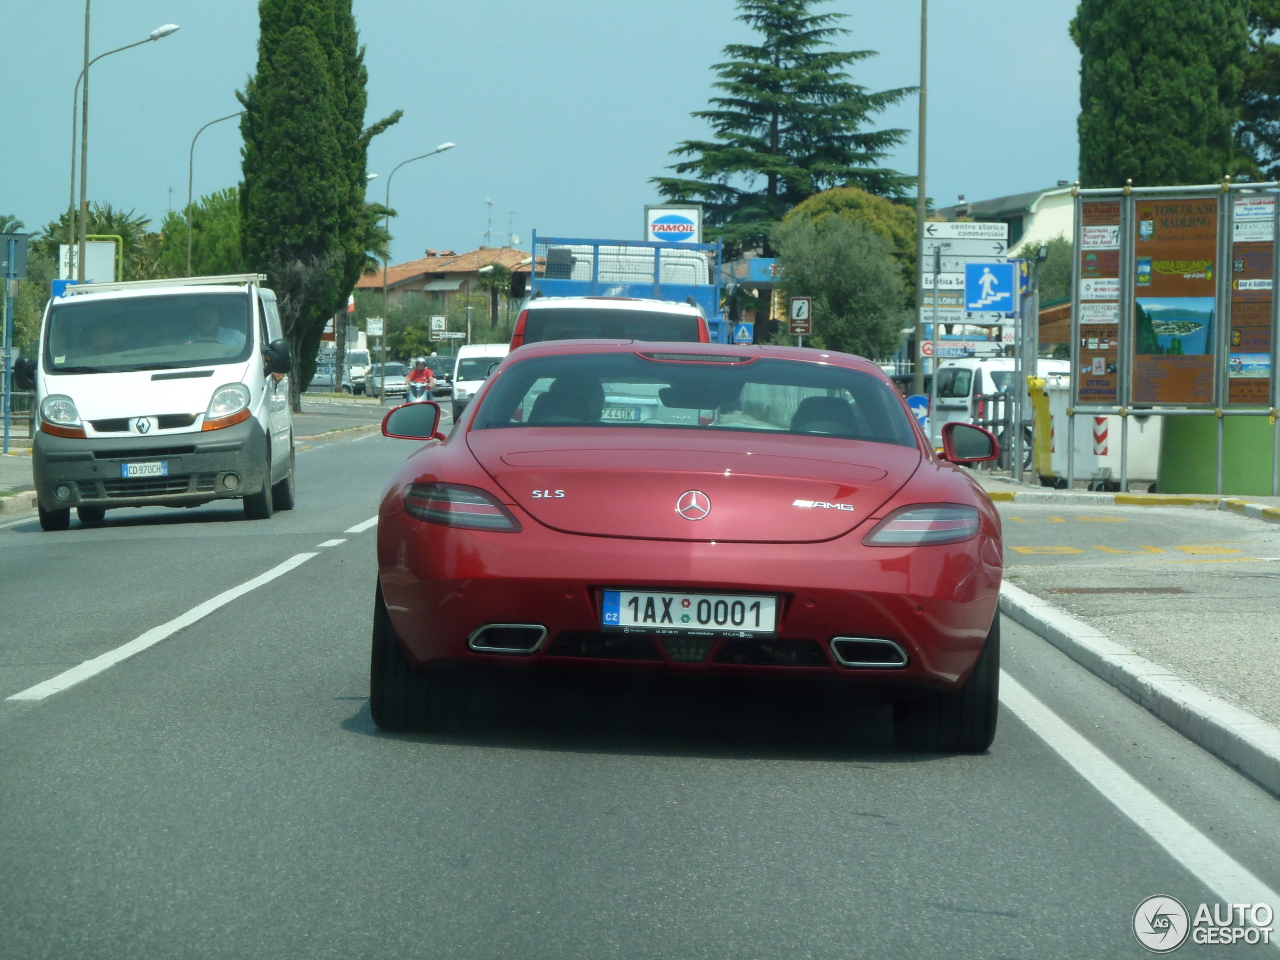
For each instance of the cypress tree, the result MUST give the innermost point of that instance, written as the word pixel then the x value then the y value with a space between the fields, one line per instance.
pixel 787 124
pixel 1160 85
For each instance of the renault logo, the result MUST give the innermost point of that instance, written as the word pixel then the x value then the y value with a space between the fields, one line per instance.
pixel 693 505
pixel 143 424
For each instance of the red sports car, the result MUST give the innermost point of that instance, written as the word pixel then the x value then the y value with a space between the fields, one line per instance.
pixel 705 508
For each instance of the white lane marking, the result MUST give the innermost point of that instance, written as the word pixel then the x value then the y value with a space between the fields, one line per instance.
pixel 362 527
pixel 98 664
pixel 332 543
pixel 14 523
pixel 1215 868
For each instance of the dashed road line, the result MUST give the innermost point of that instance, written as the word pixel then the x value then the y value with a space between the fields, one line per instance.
pixel 332 543
pixel 362 527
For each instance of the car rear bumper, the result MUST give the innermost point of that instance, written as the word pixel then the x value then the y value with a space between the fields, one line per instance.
pixel 201 467
pixel 442 585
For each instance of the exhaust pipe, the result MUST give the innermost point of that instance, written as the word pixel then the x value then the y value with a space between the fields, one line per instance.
pixel 868 653
pixel 510 639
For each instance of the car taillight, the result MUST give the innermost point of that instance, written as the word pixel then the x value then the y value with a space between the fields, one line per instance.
pixel 517 335
pixel 456 506
pixel 704 332
pixel 924 524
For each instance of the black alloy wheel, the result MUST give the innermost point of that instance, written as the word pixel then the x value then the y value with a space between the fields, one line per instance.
pixel 964 720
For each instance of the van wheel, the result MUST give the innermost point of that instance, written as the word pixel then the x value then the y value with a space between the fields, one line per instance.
pixel 54 519
pixel 91 514
pixel 282 492
pixel 258 506
pixel 962 720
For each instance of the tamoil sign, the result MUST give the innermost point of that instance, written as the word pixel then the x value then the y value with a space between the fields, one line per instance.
pixel 673 223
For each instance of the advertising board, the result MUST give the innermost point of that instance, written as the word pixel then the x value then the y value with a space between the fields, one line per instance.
pixel 1174 308
pixel 1098 303
pixel 1252 268
pixel 673 222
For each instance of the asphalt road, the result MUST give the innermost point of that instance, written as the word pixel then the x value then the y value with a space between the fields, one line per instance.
pixel 224 794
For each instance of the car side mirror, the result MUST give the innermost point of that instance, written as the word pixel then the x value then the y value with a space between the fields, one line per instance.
pixel 24 373
pixel 281 358
pixel 413 421
pixel 966 443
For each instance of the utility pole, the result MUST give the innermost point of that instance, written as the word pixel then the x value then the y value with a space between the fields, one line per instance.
pixel 84 156
pixel 917 366
pixel 488 232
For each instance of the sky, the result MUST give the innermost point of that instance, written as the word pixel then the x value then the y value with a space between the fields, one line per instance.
pixel 561 109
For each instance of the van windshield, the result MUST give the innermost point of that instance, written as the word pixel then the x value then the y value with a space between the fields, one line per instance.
pixel 147 333
pixel 358 358
pixel 603 323
pixel 475 368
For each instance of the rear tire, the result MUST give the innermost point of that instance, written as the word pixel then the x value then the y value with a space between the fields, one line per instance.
pixel 91 514
pixel 282 493
pixel 52 520
pixel 258 506
pixel 964 720
pixel 400 697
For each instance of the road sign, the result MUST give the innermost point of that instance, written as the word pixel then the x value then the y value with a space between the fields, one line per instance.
pixel 801 315
pixel 743 332
pixel 926 349
pixel 438 325
pixel 990 287
pixel 456 335
pixel 919 404
pixel 18 269
pixel 956 230
pixel 945 281
pixel 965 248
pixel 955 264
pixel 373 326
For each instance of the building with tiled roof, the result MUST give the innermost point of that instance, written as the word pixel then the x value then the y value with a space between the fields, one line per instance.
pixel 442 276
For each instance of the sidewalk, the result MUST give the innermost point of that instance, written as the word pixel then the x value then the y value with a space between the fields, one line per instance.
pixel 1188 631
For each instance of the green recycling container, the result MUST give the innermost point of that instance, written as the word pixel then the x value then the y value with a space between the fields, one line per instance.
pixel 1189 452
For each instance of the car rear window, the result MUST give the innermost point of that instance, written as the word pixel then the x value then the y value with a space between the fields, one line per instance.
pixel 590 323
pixel 954 382
pixel 633 390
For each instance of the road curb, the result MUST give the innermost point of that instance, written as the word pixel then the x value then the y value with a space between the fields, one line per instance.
pixel 1237 737
pixel 343 433
pixel 21 502
pixel 1257 511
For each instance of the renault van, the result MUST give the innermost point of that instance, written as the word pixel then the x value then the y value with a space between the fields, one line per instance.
pixel 471 369
pixel 161 393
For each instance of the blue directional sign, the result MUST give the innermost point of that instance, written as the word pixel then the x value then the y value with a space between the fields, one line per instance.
pixel 743 332
pixel 919 405
pixel 990 287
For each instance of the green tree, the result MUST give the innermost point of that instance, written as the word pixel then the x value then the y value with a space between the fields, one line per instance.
pixel 215 238
pixel 1258 134
pixel 141 245
pixel 857 287
pixel 1055 272
pixel 894 222
pixel 303 217
pixel 787 123
pixel 1160 86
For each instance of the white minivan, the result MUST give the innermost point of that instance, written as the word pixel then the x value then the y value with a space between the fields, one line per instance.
pixel 959 384
pixel 471 369
pixel 161 393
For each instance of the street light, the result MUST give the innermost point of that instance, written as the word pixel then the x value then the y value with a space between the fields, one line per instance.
pixel 382 387
pixel 191 156
pixel 157 34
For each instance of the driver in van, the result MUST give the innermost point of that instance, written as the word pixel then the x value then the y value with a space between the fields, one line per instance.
pixel 209 328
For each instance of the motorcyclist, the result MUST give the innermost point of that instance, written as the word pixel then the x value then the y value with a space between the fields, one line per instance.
pixel 420 374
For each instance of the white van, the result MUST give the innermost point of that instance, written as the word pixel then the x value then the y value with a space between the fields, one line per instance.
pixel 161 393
pixel 959 383
pixel 471 369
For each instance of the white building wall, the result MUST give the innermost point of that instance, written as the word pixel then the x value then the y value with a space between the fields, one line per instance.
pixel 1051 216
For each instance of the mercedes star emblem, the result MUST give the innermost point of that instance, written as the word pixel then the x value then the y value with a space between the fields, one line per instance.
pixel 693 505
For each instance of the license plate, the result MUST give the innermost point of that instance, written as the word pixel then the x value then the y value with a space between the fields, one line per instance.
pixel 709 614
pixel 156 468
pixel 621 413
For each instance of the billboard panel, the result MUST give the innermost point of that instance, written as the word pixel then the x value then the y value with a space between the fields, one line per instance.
pixel 1175 307
pixel 1252 266
pixel 673 222
pixel 1097 376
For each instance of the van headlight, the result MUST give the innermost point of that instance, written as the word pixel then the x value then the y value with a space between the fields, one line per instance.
pixel 462 393
pixel 230 405
pixel 59 416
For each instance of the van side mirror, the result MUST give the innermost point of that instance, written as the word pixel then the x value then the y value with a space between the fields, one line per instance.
pixel 492 367
pixel 966 443
pixel 281 359
pixel 24 373
pixel 413 421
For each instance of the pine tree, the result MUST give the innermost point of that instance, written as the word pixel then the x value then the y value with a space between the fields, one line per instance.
pixel 303 218
pixel 787 124
pixel 1160 84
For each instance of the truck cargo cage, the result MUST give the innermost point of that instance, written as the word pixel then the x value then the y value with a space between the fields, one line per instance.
pixel 650 270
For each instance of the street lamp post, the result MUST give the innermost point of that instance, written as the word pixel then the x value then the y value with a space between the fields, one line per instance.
pixel 157 34
pixel 191 157
pixel 382 385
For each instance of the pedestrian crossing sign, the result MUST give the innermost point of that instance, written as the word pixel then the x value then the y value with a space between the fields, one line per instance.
pixel 743 332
